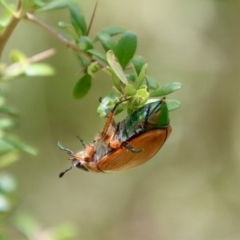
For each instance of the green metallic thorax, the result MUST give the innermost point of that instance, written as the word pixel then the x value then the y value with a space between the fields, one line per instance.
pixel 151 116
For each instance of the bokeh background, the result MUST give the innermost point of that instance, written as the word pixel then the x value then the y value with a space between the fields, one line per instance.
pixel 190 189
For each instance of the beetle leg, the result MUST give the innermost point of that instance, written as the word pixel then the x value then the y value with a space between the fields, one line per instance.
pixel 110 117
pixel 82 142
pixel 65 149
pixel 130 148
pixel 114 144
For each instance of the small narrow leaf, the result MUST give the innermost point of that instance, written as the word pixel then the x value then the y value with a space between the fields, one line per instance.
pixel 142 76
pixel 92 68
pixel 106 41
pixel 81 60
pixel 8 110
pixel 85 43
pixel 39 69
pixel 6 123
pixel 172 104
pixel 167 89
pixel 82 86
pixel 7 183
pixel 4 203
pixel 116 67
pixel 77 19
pixel 126 48
pixel 131 77
pixel 152 83
pixel 129 90
pixel 8 158
pixel 17 56
pixel 64 24
pixel 55 5
pixel 112 31
pixel 6 16
pixel 107 104
pixel 97 54
pixel 17 144
pixel 138 63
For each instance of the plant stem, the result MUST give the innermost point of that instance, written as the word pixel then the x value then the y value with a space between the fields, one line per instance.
pixel 62 39
pixel 67 43
pixel 36 58
pixel 9 29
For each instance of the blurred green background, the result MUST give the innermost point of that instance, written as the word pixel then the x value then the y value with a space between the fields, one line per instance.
pixel 190 189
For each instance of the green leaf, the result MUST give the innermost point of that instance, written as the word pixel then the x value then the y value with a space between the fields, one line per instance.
pixel 8 110
pixel 106 41
pixel 172 104
pixel 125 48
pixel 4 203
pixel 129 90
pixel 27 6
pixel 77 19
pixel 56 4
pixel 5 146
pixel 10 8
pixel 92 68
pixel 26 225
pixel 7 183
pixel 167 89
pixel 151 83
pixel 117 84
pixel 107 104
pixel 81 60
pixel 64 232
pixel 39 3
pixel 39 69
pixel 6 123
pixel 85 43
pixel 116 67
pixel 131 77
pixel 112 31
pixel 6 17
pixel 97 54
pixel 64 25
pixel 82 86
pixel 17 144
pixel 142 96
pixel 142 76
pixel 8 158
pixel 138 63
pixel 17 56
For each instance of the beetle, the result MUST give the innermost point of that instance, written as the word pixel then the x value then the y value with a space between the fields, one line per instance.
pixel 127 144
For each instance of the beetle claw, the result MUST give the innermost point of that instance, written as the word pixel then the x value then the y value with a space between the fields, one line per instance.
pixel 130 148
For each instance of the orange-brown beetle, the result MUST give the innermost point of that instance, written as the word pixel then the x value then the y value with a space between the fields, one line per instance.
pixel 127 144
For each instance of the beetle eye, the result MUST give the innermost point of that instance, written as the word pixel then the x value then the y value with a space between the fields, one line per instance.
pixel 80 166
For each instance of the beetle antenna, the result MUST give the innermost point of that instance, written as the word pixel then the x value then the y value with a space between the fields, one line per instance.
pixel 63 172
